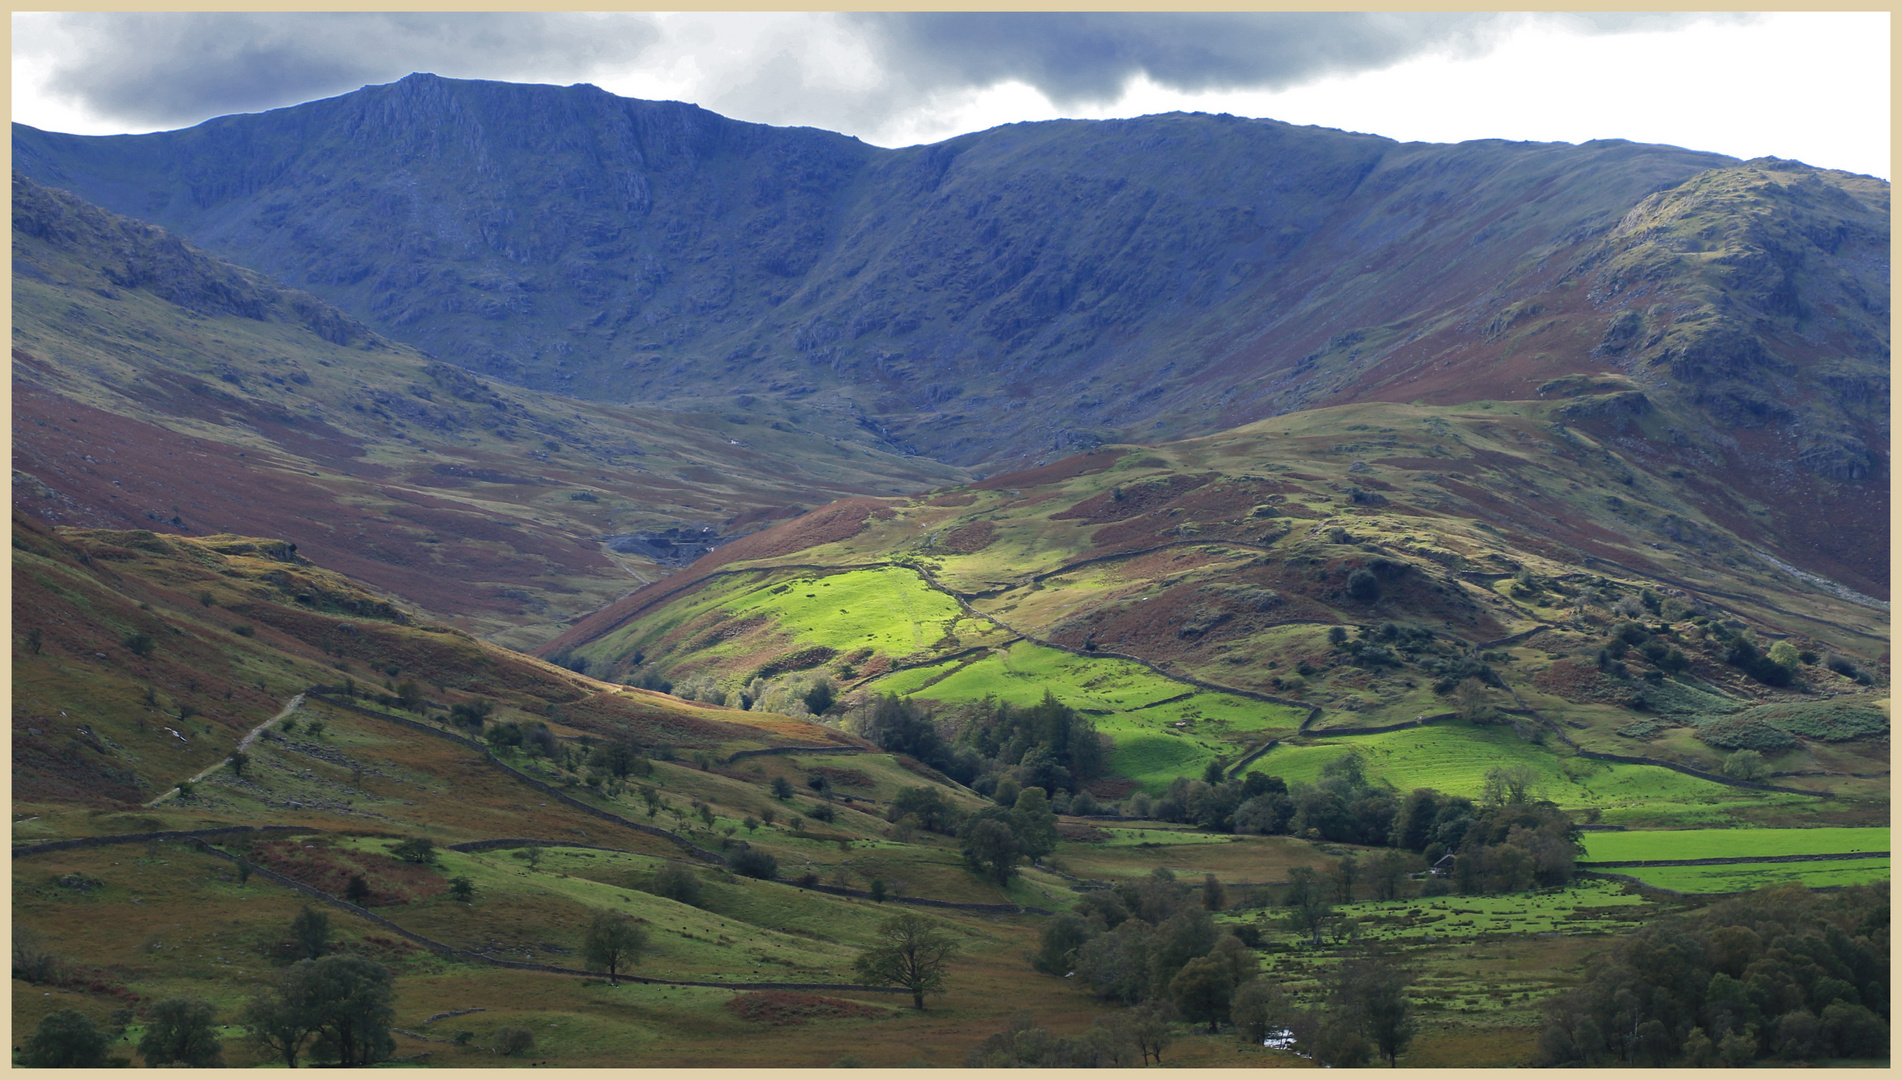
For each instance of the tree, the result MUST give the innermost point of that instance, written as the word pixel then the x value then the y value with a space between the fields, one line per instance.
pixel 462 888
pixel 472 714
pixel 238 760
pixel 1150 1028
pixel 1345 873
pixel 1389 871
pixel 285 1017
pixel 1056 947
pixel 1214 896
pixel 1374 990
pixel 991 848
pixel 1035 823
pixel 67 1039
pixel 181 1030
pixel 420 850
pixel 357 890
pixel 613 941
pixel 311 930
pixel 353 998
pixel 911 952
pixel 1307 901
pixel 1511 785
pixel 1201 991
pixel 927 804
pixel 1746 765
pixel 1257 1009
pixel 782 788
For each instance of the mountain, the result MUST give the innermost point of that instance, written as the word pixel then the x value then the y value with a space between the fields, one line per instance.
pixel 158 387
pixel 1038 288
pixel 1081 543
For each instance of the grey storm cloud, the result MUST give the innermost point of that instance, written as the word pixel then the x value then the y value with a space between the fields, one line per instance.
pixel 181 68
pixel 1089 57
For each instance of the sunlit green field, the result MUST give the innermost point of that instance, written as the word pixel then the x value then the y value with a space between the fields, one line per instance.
pixel 889 610
pixel 1455 757
pixel 1156 739
pixel 1729 843
pixel 1742 877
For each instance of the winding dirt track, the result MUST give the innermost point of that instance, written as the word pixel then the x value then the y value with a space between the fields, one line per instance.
pixel 244 743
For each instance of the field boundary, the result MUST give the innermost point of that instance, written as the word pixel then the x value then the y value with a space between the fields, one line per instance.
pixel 454 953
pixel 162 837
pixel 775 750
pixel 1716 778
pixel 1110 654
pixel 542 786
pixel 1738 860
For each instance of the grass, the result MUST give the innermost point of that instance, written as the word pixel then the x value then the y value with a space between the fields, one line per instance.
pixel 1128 702
pixel 1747 876
pixel 1729 843
pixel 889 610
pixel 1584 907
pixel 1455 757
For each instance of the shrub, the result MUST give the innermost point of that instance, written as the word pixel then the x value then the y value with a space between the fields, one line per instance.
pixel 754 863
pixel 32 961
pixel 511 1041
pixel 1745 765
pixel 1362 585
pixel 67 1039
pixel 140 644
pixel 676 882
pixel 1744 733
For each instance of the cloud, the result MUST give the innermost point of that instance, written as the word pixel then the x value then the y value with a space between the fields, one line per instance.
pixel 181 68
pixel 888 77
pixel 1089 58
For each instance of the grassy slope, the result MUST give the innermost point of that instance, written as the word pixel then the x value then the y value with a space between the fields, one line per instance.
pixel 169 920
pixel 201 392
pixel 1225 560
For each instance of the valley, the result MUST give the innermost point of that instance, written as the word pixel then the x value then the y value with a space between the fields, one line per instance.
pixel 1194 572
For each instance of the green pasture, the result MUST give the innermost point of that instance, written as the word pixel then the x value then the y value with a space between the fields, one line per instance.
pixel 1730 843
pixel 1455 757
pixel 1152 837
pixel 1130 703
pixel 1743 877
pixel 889 610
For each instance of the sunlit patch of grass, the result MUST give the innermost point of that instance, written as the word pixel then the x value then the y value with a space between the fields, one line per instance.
pixel 1730 843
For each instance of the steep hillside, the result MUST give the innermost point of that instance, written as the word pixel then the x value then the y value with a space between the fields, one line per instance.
pixel 1339 571
pixel 1038 288
pixel 158 388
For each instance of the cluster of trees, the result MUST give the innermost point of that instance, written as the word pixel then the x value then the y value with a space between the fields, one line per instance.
pixel 991 743
pixel 994 837
pixel 1151 945
pixel 1785 974
pixel 337 1006
pixel 800 694
pixel 1507 841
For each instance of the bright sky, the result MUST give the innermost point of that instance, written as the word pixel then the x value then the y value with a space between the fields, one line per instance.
pixel 1809 86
